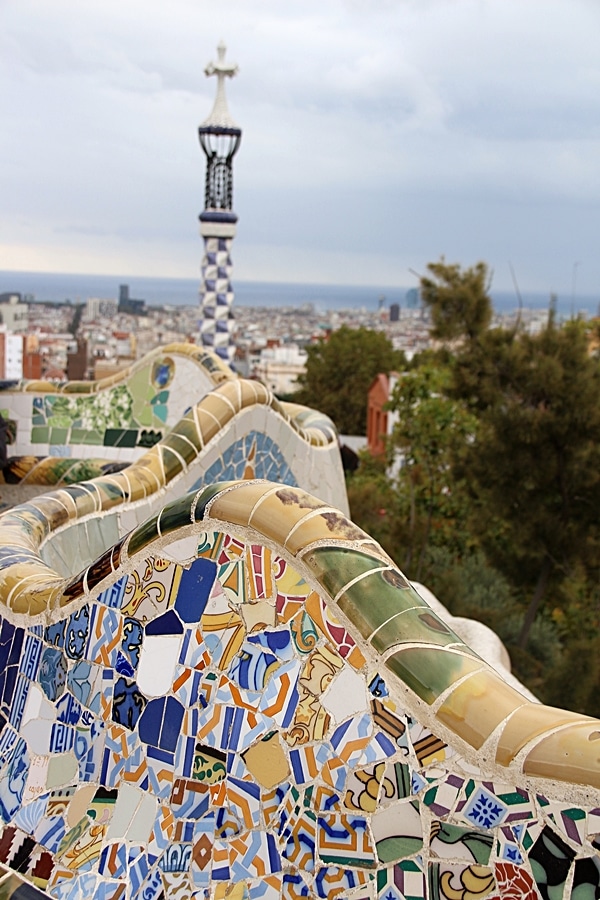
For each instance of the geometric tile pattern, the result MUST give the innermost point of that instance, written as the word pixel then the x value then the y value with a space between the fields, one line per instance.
pixel 189 794
pixel 244 697
pixel 216 297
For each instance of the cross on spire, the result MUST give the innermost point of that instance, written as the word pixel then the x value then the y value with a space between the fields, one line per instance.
pixel 220 117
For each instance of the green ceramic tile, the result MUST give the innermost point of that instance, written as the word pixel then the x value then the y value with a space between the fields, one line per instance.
pixel 142 413
pixel 78 387
pixel 187 427
pixel 207 494
pixel 143 535
pixel 334 567
pixel 428 671
pixel 181 446
pixel 40 434
pixel 148 437
pixel 86 436
pixel 177 514
pixel 414 625
pixel 376 598
pixel 59 435
pixel 120 437
pixel 82 470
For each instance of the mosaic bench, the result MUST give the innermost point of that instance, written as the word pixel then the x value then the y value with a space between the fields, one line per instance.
pixel 235 429
pixel 244 698
pixel 116 418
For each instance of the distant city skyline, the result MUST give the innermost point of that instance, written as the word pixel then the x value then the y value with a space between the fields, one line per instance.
pixel 378 135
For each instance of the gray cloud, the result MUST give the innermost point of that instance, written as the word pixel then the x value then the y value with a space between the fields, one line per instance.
pixel 377 133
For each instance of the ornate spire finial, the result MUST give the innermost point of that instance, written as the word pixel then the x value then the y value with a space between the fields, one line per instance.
pixel 220 117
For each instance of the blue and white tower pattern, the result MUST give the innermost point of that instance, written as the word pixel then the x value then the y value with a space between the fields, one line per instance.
pixel 220 138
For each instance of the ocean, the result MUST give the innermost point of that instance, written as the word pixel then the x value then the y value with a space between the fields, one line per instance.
pixel 58 287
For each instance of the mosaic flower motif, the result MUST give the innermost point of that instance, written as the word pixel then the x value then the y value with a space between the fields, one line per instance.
pixel 514 882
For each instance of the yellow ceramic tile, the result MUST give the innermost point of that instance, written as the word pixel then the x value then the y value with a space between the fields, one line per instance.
pixel 430 671
pixel 15 537
pixel 33 593
pixel 276 518
pixel 528 723
pixel 253 392
pixel 208 425
pixel 150 470
pixel 220 408
pixel 68 501
pixel 55 512
pixel 236 506
pixel 267 762
pixel 231 393
pixel 34 527
pixel 572 754
pixel 135 489
pixel 477 706
pixel 172 462
pixel 330 525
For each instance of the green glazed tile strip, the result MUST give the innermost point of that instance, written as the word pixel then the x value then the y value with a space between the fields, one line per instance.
pixel 375 599
pixel 430 671
pixel 414 626
pixel 177 514
pixel 335 567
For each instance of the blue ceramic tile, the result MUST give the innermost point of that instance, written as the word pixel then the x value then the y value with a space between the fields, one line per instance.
pixel 160 723
pixel 194 590
pixel 168 623
pixel 128 703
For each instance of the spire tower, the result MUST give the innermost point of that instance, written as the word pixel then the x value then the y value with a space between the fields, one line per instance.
pixel 219 138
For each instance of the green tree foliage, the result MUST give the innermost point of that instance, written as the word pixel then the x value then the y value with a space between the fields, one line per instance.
pixel 339 372
pixel 458 300
pixel 535 463
pixel 496 505
pixel 431 432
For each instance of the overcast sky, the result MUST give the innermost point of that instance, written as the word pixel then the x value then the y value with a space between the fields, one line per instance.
pixel 378 135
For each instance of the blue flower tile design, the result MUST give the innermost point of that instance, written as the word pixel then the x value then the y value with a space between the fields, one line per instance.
pixel 484 809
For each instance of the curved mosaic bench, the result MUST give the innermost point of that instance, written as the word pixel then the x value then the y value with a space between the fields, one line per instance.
pixel 237 430
pixel 116 418
pixel 245 698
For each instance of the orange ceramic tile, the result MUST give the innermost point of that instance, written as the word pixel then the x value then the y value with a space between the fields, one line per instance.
pixel 266 761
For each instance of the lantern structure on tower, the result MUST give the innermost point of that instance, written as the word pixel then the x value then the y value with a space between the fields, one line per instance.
pixel 219 138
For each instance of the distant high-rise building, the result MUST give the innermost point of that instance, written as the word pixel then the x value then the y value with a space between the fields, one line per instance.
pixel 413 296
pixel 219 138
pixel 128 305
pixel 394 312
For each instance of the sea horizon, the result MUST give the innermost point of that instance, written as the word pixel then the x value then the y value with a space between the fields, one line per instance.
pixel 57 287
